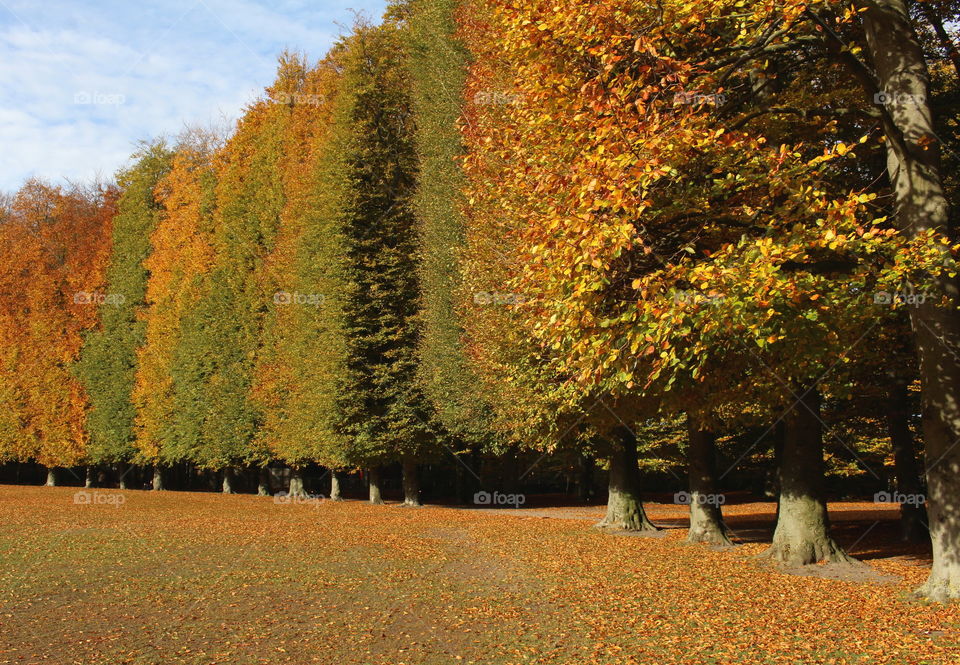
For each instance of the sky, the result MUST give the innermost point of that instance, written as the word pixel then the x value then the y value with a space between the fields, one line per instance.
pixel 81 81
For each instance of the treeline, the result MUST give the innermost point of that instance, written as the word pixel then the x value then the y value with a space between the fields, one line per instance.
pixel 487 228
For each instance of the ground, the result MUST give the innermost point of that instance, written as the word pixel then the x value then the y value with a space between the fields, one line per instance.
pixel 199 579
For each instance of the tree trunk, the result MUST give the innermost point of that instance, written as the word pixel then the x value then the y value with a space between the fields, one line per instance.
pixel 158 479
pixel 263 482
pixel 89 481
pixel 624 506
pixel 229 476
pixel 802 535
pixel 913 514
pixel 51 477
pixel 411 484
pixel 122 470
pixel 296 483
pixel 335 493
pixel 706 519
pixel 375 485
pixel 913 164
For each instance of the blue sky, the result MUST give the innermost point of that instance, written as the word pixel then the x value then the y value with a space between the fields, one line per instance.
pixel 81 82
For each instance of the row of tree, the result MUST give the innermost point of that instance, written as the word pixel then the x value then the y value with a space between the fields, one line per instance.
pixel 491 226
pixel 725 209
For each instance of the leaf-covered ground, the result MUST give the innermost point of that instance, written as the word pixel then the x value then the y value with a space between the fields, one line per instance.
pixel 188 578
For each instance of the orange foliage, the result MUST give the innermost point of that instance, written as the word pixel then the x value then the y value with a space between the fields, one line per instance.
pixel 182 252
pixel 56 246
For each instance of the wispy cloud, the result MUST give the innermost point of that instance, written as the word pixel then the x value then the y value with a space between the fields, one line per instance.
pixel 81 82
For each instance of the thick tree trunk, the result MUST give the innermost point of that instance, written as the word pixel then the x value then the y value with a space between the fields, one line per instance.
pixel 624 505
pixel 802 535
pixel 913 164
pixel 229 476
pixel 913 513
pixel 706 519
pixel 158 479
pixel 123 469
pixel 411 483
pixel 263 482
pixel 90 478
pixel 51 477
pixel 296 483
pixel 375 485
pixel 335 493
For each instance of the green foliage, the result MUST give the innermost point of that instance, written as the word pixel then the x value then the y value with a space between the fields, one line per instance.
pixel 302 353
pixel 380 407
pixel 437 65
pixel 107 366
pixel 213 367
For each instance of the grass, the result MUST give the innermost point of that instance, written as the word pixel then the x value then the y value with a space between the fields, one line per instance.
pixel 198 579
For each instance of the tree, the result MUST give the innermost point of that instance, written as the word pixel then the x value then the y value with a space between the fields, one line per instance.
pixel 182 255
pixel 913 165
pixel 297 366
pixel 663 255
pixel 380 407
pixel 57 246
pixel 108 361
pixel 438 67
pixel 213 363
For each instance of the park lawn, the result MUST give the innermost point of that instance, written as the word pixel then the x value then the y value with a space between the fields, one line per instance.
pixel 198 579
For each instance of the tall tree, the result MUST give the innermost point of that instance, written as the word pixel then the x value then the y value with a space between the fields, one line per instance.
pixel 182 254
pixel 922 208
pixel 302 351
pixel 438 68
pixel 108 361
pixel 381 407
pixel 58 244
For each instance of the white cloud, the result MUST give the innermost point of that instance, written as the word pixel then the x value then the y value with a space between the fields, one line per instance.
pixel 146 69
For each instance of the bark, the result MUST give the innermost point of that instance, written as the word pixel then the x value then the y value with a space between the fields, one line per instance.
pixel 375 474
pixel 51 477
pixel 913 517
pixel 229 476
pixel 263 482
pixel 624 505
pixel 913 165
pixel 90 477
pixel 706 519
pixel 335 492
pixel 122 470
pixel 411 484
pixel 802 535
pixel 158 479
pixel 296 483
